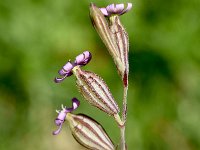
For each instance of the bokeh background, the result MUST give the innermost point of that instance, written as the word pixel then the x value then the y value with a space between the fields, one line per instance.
pixel 38 36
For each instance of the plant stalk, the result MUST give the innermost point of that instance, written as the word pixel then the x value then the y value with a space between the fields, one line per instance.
pixel 124 115
pixel 122 138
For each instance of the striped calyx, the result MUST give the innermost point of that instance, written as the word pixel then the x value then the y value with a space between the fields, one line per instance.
pixel 122 42
pixel 95 91
pixel 89 132
pixel 101 25
pixel 113 34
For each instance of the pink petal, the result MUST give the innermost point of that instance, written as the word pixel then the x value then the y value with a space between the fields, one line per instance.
pixel 119 8
pixel 104 11
pixel 129 6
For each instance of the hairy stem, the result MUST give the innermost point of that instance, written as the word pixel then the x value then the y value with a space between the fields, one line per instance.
pixel 124 111
pixel 121 125
pixel 122 121
pixel 122 138
pixel 124 115
pixel 118 120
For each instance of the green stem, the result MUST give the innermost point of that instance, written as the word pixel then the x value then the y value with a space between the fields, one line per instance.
pixel 122 121
pixel 124 111
pixel 124 115
pixel 123 140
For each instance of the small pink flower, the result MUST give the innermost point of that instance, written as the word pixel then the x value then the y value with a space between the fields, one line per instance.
pixel 66 71
pixel 62 114
pixel 118 9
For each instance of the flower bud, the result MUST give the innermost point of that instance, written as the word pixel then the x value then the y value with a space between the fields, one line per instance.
pixel 89 132
pixel 95 91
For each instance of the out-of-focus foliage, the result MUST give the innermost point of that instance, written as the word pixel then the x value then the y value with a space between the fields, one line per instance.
pixel 38 36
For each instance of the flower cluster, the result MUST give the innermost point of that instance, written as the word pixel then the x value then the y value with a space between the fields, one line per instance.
pixel 87 131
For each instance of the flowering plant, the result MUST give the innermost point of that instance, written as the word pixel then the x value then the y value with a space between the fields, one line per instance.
pixel 87 131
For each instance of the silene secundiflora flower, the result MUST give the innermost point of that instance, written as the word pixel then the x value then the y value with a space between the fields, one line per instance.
pixel 62 114
pixel 90 85
pixel 88 132
pixel 115 9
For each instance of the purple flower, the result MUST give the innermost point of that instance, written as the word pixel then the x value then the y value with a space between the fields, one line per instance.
pixel 66 71
pixel 118 9
pixel 62 114
pixel 83 58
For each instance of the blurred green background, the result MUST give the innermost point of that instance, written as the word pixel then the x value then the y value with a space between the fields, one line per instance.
pixel 38 36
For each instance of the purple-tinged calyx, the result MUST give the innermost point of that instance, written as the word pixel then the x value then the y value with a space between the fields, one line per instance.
pixel 62 114
pixel 118 9
pixel 66 71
